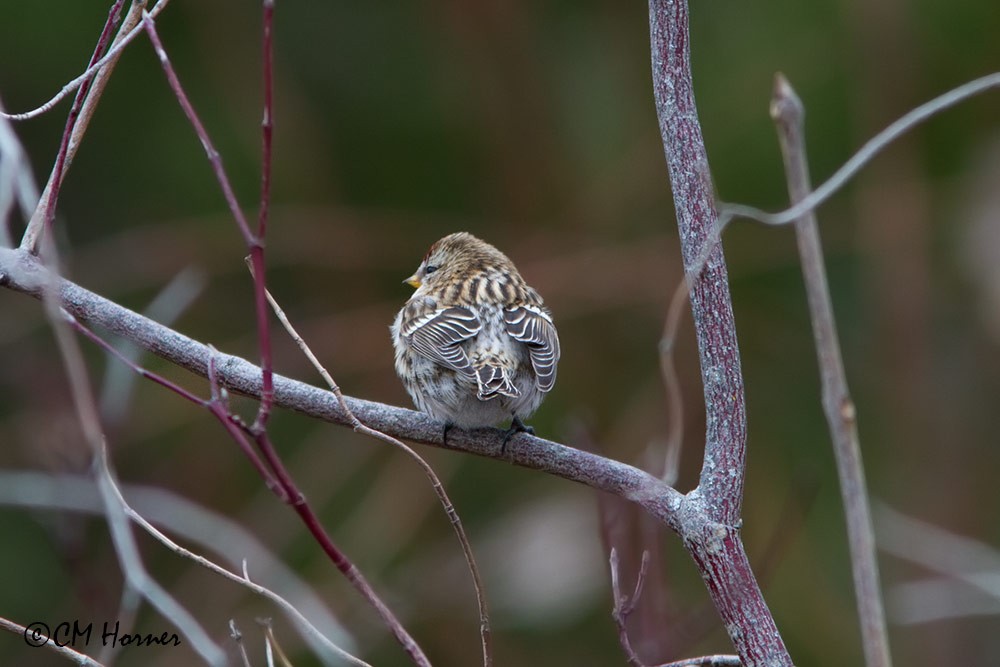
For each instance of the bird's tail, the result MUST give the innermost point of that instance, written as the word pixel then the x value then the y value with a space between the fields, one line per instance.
pixel 494 380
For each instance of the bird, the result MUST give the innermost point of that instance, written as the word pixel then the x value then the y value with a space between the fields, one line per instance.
pixel 474 345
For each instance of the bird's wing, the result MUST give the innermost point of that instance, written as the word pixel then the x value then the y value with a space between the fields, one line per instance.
pixel 439 334
pixel 533 326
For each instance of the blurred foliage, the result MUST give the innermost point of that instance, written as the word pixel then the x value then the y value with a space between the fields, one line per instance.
pixel 530 124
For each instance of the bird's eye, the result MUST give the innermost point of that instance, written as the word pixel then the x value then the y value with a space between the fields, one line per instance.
pixel 431 268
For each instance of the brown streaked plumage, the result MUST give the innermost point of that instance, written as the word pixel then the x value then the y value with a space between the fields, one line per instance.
pixel 475 345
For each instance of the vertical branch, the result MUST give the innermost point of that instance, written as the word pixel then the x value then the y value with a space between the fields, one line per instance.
pixel 288 490
pixel 254 242
pixel 711 527
pixel 267 121
pixel 788 115
pixel 711 306
pixel 257 250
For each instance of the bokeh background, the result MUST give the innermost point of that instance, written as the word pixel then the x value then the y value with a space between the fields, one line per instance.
pixel 530 124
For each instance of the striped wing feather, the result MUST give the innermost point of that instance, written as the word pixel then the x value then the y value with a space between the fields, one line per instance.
pixel 533 327
pixel 439 336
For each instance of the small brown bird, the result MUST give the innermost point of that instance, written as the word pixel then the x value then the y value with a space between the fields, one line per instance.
pixel 475 345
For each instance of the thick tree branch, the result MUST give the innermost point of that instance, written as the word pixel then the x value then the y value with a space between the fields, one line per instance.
pixel 711 305
pixel 22 272
pixel 715 545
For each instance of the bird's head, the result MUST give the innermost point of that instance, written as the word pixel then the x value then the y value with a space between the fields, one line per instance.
pixel 456 257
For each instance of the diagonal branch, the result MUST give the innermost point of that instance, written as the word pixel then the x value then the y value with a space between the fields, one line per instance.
pixel 23 273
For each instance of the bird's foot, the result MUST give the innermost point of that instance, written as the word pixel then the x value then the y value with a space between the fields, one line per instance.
pixel 516 426
pixel 444 433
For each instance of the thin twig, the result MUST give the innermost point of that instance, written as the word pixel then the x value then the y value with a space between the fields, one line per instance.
pixel 82 110
pixel 955 556
pixel 439 490
pixel 17 183
pixel 33 637
pixel 672 385
pixel 121 533
pixel 119 380
pixel 112 53
pixel 257 249
pixel 869 150
pixel 625 605
pixel 179 516
pixel 272 640
pixel 267 121
pixel 237 637
pixel 788 115
pixel 254 242
pixel 728 212
pixel 294 614
pixel 128 609
pixel 214 158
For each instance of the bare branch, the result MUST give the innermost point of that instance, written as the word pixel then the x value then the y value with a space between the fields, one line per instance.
pixel 183 518
pixel 449 508
pixel 17 183
pixel 865 154
pixel 78 119
pixel 961 558
pixel 35 637
pixel 22 272
pixel 711 305
pixel 308 629
pixel 718 549
pixel 788 115
pixel 112 53
pixel 254 242
pixel 121 533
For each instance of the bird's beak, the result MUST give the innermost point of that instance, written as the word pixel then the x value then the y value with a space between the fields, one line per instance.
pixel 413 281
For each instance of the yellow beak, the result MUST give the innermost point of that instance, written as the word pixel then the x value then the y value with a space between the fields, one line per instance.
pixel 413 281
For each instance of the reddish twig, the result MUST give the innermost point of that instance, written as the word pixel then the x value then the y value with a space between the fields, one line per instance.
pixel 79 117
pixel 258 431
pixel 219 407
pixel 42 218
pixel 449 507
pixel 254 243
pixel 788 115
pixel 216 406
pixel 298 503
pixel 257 249
pixel 626 604
pixel 112 53
pixel 267 121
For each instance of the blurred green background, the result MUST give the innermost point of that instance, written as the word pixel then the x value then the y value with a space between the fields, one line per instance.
pixel 530 124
